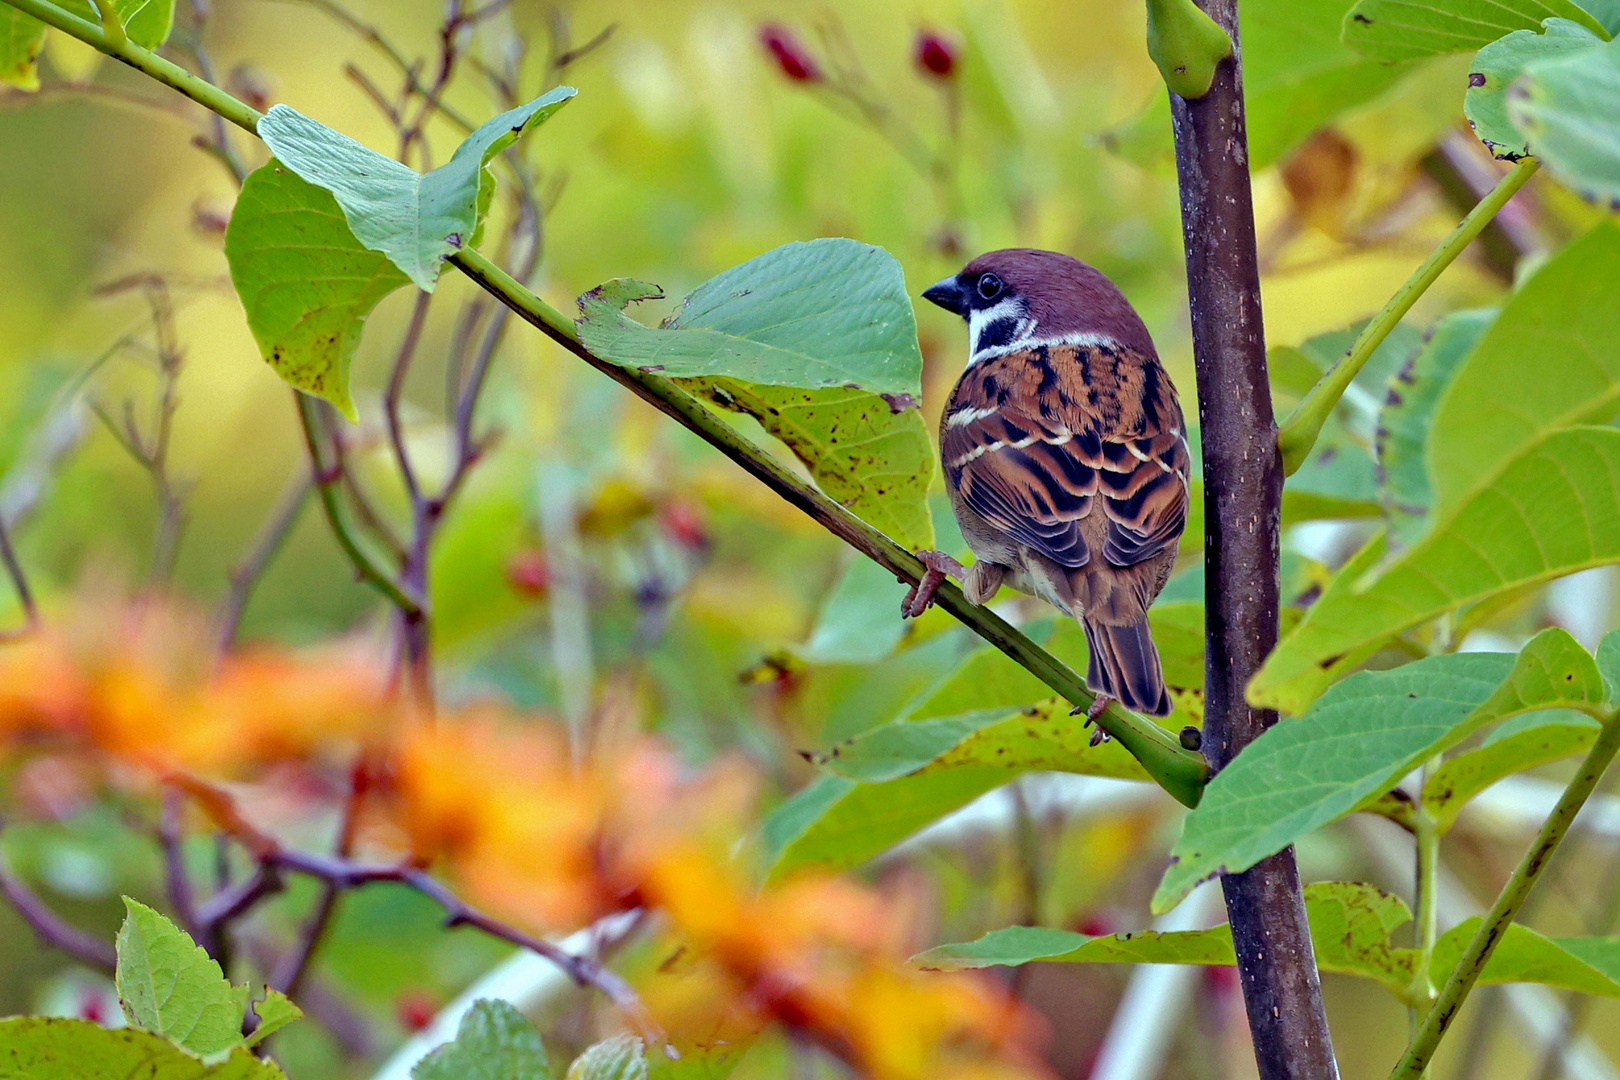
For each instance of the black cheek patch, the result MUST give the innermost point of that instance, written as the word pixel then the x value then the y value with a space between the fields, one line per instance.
pixel 996 333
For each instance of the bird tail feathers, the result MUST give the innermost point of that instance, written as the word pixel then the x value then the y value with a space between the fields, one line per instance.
pixel 1125 666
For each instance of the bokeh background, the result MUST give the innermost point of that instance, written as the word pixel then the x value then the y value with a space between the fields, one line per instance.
pixel 602 559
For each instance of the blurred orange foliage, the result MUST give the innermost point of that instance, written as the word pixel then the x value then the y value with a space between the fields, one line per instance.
pixel 532 835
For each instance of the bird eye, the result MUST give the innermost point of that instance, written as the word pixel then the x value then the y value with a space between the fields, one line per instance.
pixel 989 286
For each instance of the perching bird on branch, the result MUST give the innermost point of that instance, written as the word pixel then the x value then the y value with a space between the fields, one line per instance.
pixel 1066 458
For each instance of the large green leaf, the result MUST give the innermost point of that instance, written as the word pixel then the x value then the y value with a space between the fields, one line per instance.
pixel 1357 742
pixel 864 453
pixel 1351 924
pixel 1551 359
pixel 621 1057
pixel 1517 745
pixel 1407 413
pixel 305 282
pixel 147 22
pixel 50 1048
pixel 416 220
pixel 1568 110
pixel 1552 510
pixel 860 620
pixel 171 987
pixel 1498 64
pixel 815 340
pixel 494 1042
pixel 975 730
pixel 1407 29
pixel 814 314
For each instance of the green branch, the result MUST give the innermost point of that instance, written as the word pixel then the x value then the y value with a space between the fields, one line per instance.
pixel 326 482
pixel 1298 433
pixel 1179 771
pixel 145 61
pixel 1490 932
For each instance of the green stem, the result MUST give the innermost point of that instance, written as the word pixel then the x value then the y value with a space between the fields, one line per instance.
pixel 1298 433
pixel 145 61
pixel 1426 833
pixel 1179 771
pixel 1512 897
pixel 112 23
pixel 326 486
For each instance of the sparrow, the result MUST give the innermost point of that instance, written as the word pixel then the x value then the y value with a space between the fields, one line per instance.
pixel 1066 459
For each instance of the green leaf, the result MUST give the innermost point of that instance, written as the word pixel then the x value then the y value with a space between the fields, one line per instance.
pixel 973 731
pixel 416 220
pixel 1568 110
pixel 494 1042
pixel 815 340
pixel 813 314
pixel 860 621
pixel 686 1060
pixel 620 1058
pixel 1406 416
pixel 171 987
pixel 1586 965
pixel 51 1048
pixel 1357 742
pixel 1498 64
pixel 1297 73
pixel 305 282
pixel 1350 926
pixel 1406 29
pixel 862 453
pixel 1553 510
pixel 1498 403
pixel 147 22
pixel 1538 739
pixel 275 1012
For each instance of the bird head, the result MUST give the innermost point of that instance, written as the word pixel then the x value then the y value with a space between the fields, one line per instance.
pixel 1017 298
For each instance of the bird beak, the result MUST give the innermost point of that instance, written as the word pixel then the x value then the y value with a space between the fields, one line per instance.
pixel 949 295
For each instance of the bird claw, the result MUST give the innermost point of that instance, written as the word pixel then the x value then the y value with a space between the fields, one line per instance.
pixel 1098 706
pixel 921 596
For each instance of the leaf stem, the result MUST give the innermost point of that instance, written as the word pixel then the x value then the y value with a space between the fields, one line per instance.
pixel 1426 833
pixel 1512 897
pixel 325 481
pixel 1299 431
pixel 112 24
pixel 1179 771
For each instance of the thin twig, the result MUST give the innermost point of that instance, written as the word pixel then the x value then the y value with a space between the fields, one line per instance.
pixel 177 882
pixel 245 575
pixel 51 928
pixel 396 388
pixel 19 581
pixel 292 968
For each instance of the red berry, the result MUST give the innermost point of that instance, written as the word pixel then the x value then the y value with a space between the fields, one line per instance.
pixel 791 56
pixel 415 1010
pixel 528 572
pixel 684 524
pixel 935 54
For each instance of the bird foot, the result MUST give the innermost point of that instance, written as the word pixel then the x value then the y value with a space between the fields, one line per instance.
pixel 1098 705
pixel 921 596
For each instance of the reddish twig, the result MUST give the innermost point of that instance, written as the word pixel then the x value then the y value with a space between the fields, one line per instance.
pixel 51 928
